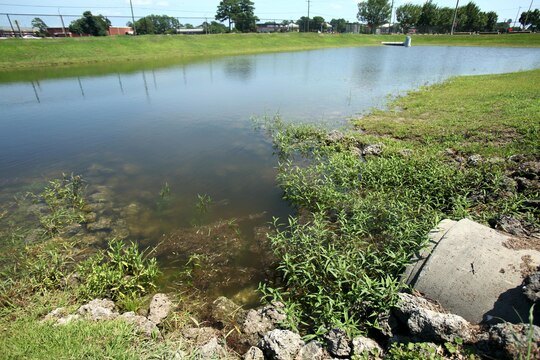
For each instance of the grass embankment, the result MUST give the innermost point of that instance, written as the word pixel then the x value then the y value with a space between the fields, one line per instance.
pixel 445 153
pixel 24 53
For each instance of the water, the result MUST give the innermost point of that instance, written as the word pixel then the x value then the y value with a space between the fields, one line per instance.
pixel 129 131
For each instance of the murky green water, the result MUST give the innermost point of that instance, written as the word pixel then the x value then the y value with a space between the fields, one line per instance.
pixel 130 130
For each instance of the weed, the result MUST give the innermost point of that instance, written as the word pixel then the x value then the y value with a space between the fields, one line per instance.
pixel 203 202
pixel 121 273
pixel 165 190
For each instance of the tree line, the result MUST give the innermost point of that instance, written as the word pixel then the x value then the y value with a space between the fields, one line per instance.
pixel 430 18
pixel 426 18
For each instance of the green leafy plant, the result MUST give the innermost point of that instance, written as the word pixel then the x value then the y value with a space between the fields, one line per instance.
pixel 121 273
pixel 203 202
pixel 65 201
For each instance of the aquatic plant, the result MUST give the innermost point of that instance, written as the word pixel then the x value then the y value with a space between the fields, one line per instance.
pixel 203 202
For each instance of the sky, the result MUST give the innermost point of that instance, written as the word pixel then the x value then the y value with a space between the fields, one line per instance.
pixel 195 11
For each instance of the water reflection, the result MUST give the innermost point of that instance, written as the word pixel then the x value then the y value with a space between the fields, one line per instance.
pixel 241 68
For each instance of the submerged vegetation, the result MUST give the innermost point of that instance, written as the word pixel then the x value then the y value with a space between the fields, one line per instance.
pixel 367 199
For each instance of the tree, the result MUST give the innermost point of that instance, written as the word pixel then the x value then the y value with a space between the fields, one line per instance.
pixel 491 21
pixel 471 18
pixel 339 25
pixel 445 18
pixel 156 24
pixel 429 17
pixel 408 15
pixel 41 27
pixel 245 19
pixel 227 9
pixel 374 12
pixel 530 18
pixel 90 25
pixel 214 27
pixel 317 24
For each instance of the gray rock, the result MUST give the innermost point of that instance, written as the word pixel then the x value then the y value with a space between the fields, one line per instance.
pixel 212 350
pixel 103 224
pixel 72 230
pixel 281 345
pixel 98 309
pixel 199 336
pixel 374 150
pixel 258 322
pixel 530 170
pixel 68 319
pixel 511 341
pixel 363 345
pixel 312 351
pixel 405 153
pixel 254 353
pixel 531 287
pixel 56 314
pixel 160 308
pixel 525 184
pixel 338 343
pixel 334 136
pixel 143 325
pixel 429 325
pixel 226 311
pixel 511 226
pixel 474 160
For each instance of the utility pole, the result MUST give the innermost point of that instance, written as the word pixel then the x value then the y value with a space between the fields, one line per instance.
pixel 308 8
pixel 63 25
pixel 515 21
pixel 10 24
pixel 18 28
pixel 392 14
pixel 455 18
pixel 132 18
pixel 527 16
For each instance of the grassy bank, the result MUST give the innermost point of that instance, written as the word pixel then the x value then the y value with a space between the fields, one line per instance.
pixel 441 152
pixel 24 54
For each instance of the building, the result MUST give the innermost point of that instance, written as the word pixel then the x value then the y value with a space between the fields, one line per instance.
pixel 120 30
pixel 59 32
pixel 194 31
pixel 16 31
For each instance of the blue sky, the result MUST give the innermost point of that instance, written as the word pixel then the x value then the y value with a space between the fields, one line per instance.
pixel 264 9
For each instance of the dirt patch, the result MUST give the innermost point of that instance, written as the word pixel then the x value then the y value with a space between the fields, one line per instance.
pixel 523 243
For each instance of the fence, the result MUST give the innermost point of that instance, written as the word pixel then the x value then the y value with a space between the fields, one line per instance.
pixel 16 24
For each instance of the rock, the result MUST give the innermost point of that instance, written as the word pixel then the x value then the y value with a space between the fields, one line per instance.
pixel 357 151
pixel 334 136
pixel 68 319
pixel 474 160
pixel 510 225
pixel 160 308
pixel 56 314
pixel 225 311
pixel 72 230
pixel 405 153
pixel 426 322
pixel 258 322
pixel 518 158
pixel 529 170
pixel 450 152
pixel 531 287
pixel 312 351
pixel 254 353
pixel 525 184
pixel 510 341
pixel 212 350
pixel 103 224
pixel 434 326
pixel 374 150
pixel 90 217
pixel 143 325
pixel 338 343
pixel 363 345
pixel 510 184
pixel 98 309
pixel 199 336
pixel 281 345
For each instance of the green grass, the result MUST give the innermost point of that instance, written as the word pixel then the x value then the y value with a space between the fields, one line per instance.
pixel 360 221
pixel 24 54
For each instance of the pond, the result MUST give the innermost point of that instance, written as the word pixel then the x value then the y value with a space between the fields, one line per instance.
pixel 171 154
